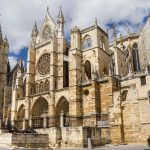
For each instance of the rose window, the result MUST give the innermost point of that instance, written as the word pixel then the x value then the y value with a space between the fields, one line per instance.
pixel 44 64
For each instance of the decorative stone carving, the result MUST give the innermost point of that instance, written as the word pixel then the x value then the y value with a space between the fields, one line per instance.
pixel 47 33
pixel 44 64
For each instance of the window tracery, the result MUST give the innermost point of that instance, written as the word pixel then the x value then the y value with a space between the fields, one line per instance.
pixel 42 87
pixel 87 67
pixel 87 43
pixel 43 65
pixel 102 43
pixel 135 57
pixel 47 33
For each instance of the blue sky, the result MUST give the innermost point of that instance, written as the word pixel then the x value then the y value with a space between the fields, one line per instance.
pixel 23 52
pixel 18 17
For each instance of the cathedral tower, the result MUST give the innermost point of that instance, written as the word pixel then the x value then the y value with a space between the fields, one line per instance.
pixel 4 46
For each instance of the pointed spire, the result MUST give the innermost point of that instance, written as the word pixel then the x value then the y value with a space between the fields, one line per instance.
pixel 107 30
pixel 139 26
pixel 21 64
pixel 6 41
pixel 34 30
pixel 1 36
pixel 8 66
pixel 128 29
pixel 60 17
pixel 8 72
pixel 47 9
pixel 17 61
pixel 114 32
pixel 121 39
pixel 96 24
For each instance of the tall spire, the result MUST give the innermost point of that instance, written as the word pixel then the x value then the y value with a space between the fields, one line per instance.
pixel 6 41
pixel 47 9
pixel 21 64
pixel 34 30
pixel 60 17
pixel 96 24
pixel 60 23
pixel 128 29
pixel 1 36
pixel 114 32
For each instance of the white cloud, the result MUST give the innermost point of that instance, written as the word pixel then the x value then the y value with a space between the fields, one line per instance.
pixel 18 16
pixel 13 61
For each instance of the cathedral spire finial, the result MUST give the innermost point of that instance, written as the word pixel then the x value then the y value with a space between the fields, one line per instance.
pixel 114 32
pixel 34 30
pixel 1 36
pixel 6 40
pixel 21 64
pixel 128 29
pixel 96 24
pixel 47 9
pixel 60 16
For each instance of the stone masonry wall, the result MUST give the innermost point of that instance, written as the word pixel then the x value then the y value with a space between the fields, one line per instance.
pixel 24 140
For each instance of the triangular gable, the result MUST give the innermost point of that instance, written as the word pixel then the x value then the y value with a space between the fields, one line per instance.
pixel 48 21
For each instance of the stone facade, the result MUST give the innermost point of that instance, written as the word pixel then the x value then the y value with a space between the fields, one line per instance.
pixel 144 45
pixel 133 105
pixel 25 140
pixel 88 88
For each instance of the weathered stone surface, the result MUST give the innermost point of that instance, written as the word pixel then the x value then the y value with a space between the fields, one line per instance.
pixel 24 140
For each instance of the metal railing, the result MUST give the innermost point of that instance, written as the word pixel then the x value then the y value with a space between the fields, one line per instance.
pixel 58 121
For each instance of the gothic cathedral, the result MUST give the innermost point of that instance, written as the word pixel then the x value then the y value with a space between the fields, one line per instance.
pixel 85 87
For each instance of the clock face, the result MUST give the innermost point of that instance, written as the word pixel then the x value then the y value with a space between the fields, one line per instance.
pixel 47 33
pixel 43 64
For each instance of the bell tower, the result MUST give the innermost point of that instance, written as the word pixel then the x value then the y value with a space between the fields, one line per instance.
pixel 4 46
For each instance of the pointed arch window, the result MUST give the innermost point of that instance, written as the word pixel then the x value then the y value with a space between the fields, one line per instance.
pixel 135 57
pixel 24 88
pixel 87 43
pixel 87 67
pixel 102 43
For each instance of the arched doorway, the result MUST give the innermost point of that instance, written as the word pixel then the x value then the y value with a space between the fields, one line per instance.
pixel 39 111
pixel 62 112
pixel 20 117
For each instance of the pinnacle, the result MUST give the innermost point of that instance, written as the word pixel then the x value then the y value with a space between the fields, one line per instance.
pixel 35 29
pixel 1 36
pixel 60 15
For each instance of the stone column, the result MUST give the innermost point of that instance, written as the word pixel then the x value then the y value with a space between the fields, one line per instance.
pixel 30 122
pixel 51 111
pixel 12 122
pixel 75 74
pixel 95 104
pixel 45 122
pixel 62 119
pixel 24 124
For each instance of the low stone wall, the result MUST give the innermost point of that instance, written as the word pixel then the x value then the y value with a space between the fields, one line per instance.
pixel 6 139
pixel 72 136
pixel 24 140
pixel 53 132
